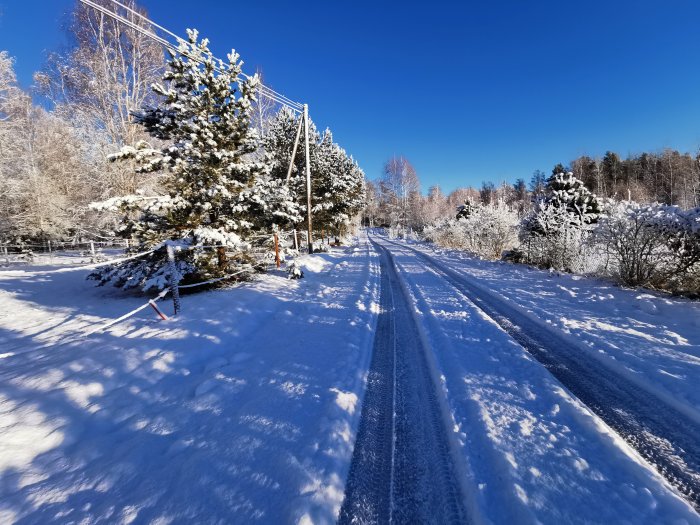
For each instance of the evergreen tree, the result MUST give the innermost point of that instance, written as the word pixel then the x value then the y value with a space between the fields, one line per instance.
pixel 337 182
pixel 278 145
pixel 338 186
pixel 520 189
pixel 466 210
pixel 538 183
pixel 567 192
pixel 567 204
pixel 558 168
pixel 203 124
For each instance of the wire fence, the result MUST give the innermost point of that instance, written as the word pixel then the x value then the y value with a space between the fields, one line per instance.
pixel 266 250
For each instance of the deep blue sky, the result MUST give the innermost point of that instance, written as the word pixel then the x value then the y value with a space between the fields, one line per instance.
pixel 468 91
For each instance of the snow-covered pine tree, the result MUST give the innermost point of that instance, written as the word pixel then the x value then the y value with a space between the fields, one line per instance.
pixel 348 189
pixel 323 164
pixel 553 233
pixel 464 211
pixel 337 182
pixel 565 190
pixel 338 186
pixel 278 145
pixel 567 202
pixel 203 124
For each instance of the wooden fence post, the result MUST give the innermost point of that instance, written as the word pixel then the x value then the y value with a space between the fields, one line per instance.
pixel 277 251
pixel 174 290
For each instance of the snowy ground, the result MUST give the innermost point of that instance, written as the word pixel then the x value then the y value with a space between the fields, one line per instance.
pixel 242 409
pixel 245 408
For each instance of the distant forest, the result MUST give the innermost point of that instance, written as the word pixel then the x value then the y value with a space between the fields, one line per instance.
pixel 669 177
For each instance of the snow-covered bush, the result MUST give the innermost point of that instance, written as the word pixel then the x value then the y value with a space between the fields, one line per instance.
pixel 551 237
pixel 294 270
pixel 487 231
pixel 652 245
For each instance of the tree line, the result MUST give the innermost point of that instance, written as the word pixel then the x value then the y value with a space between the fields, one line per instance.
pixel 628 232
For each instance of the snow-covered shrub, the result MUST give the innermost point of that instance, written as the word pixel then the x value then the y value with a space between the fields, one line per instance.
pixel 551 237
pixel 652 245
pixel 27 255
pixel 487 231
pixel 294 270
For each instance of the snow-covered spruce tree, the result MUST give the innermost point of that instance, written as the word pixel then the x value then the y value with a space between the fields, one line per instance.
pixel 464 211
pixel 552 234
pixel 338 187
pixel 203 120
pixel 565 190
pixel 277 146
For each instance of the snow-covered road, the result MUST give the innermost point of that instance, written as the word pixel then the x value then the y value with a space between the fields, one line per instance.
pixel 528 450
pixel 403 470
pixel 666 437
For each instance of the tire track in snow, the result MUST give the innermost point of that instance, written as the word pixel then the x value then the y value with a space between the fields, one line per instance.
pixel 662 435
pixel 401 470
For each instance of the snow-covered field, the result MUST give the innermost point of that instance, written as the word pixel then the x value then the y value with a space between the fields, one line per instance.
pixel 242 409
pixel 245 408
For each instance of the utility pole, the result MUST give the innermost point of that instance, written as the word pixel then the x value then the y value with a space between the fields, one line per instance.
pixel 308 177
pixel 294 151
pixel 173 280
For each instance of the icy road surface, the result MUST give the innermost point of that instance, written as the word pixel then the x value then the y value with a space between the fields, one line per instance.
pixel 660 433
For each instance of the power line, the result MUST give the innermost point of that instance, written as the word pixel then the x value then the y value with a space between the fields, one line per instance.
pixel 264 90
pixel 170 33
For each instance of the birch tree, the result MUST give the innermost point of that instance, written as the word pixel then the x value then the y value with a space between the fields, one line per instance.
pixel 398 187
pixel 101 80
